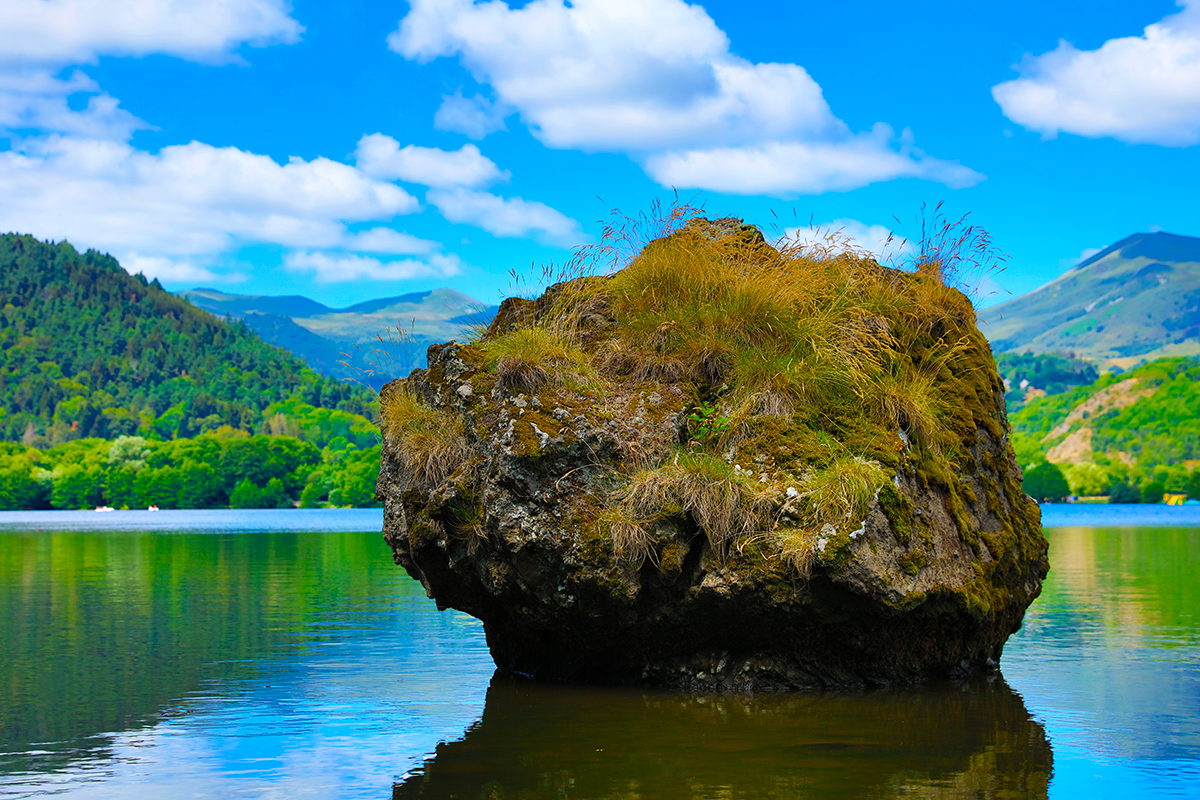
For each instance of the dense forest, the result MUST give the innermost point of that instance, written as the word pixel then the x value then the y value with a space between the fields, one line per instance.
pixel 1141 429
pixel 90 351
pixel 213 470
pixel 1028 376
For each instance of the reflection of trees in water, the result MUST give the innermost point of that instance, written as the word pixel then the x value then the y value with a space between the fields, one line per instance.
pixel 105 632
pixel 972 738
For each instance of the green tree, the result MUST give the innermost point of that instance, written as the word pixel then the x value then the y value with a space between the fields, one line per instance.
pixel 1121 491
pixel 247 495
pixel 1193 485
pixel 77 485
pixel 18 487
pixel 128 451
pixel 1046 482
pixel 199 485
pixel 1087 479
pixel 119 486
pixel 1153 492
pixel 316 489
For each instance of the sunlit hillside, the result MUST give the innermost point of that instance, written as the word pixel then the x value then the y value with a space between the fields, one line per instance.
pixel 1138 299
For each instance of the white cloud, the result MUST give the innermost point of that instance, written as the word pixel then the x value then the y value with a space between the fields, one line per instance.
pixel 381 156
pixel 340 267
pixel 506 216
pixel 784 168
pixel 1084 255
pixel 654 79
pixel 1138 89
pixel 71 173
pixel 851 235
pixel 187 200
pixel 386 240
pixel 77 31
pixel 474 116
pixel 39 37
pixel 166 269
pixel 33 99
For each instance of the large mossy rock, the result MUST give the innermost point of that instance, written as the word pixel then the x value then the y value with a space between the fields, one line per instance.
pixel 622 492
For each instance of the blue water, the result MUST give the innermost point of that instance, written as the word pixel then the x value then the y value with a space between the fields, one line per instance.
pixel 292 659
pixel 1063 515
pixel 224 520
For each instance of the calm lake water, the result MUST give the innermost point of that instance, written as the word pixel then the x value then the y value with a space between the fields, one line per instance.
pixel 281 654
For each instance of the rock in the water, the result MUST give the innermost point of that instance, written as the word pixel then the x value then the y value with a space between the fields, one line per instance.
pixel 723 467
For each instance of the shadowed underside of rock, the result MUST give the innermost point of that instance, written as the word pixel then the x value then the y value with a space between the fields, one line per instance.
pixel 520 497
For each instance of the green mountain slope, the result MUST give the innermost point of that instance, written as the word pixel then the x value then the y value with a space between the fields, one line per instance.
pixel 87 349
pixel 1139 427
pixel 1138 299
pixel 373 341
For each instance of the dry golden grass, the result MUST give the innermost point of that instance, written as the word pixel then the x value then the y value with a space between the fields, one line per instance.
pixel 527 358
pixel 429 444
pixel 843 491
pixel 813 336
pixel 724 503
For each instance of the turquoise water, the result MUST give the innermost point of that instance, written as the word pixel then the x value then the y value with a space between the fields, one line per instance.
pixel 293 659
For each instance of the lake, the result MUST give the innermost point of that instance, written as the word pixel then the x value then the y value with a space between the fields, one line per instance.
pixel 281 654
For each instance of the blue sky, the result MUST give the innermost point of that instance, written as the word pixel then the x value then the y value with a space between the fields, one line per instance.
pixel 354 150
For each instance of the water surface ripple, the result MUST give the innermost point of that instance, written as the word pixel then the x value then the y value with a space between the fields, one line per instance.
pixel 152 655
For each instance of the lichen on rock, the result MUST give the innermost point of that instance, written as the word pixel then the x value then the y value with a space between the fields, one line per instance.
pixel 725 466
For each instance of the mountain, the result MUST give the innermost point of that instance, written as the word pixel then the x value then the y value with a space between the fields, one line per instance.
pixel 373 341
pixel 1129 429
pixel 1136 300
pixel 86 349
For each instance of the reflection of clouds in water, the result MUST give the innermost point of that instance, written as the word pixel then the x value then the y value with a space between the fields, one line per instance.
pixel 330 727
pixel 361 696
pixel 1109 654
pixel 974 737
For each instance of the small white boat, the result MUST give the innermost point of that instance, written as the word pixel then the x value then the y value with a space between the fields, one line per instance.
pixel 152 508
pixel 105 508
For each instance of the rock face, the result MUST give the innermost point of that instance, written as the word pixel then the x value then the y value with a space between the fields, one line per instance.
pixel 609 523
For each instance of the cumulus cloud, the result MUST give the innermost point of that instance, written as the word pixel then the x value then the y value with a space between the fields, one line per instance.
pixel 474 116
pixel 34 99
pixel 341 267
pixel 1138 89
pixel 186 200
pixel 506 216
pixel 851 235
pixel 782 168
pixel 71 172
pixel 39 37
pixel 166 269
pixel 654 79
pixel 382 156
pixel 77 31
pixel 387 240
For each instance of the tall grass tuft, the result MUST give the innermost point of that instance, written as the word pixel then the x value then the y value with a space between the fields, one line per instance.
pixel 725 504
pixel 429 444
pixel 526 359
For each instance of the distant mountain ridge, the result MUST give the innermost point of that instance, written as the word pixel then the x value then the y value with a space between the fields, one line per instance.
pixel 373 341
pixel 88 350
pixel 1136 299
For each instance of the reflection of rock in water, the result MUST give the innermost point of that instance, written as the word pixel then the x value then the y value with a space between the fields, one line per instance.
pixel 965 739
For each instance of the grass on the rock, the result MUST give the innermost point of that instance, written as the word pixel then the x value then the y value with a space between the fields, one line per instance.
pixel 856 361
pixel 429 444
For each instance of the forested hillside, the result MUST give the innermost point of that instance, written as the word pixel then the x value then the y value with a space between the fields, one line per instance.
pixel 1027 376
pixel 87 350
pixel 230 468
pixel 1132 435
